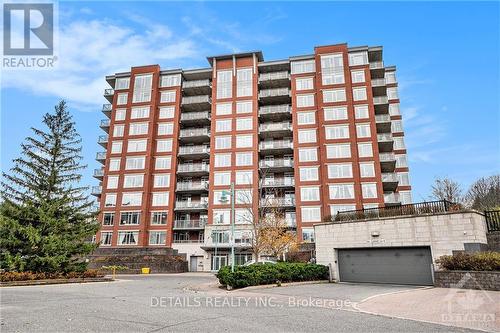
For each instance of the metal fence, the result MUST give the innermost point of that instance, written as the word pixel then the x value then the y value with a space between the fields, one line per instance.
pixel 492 220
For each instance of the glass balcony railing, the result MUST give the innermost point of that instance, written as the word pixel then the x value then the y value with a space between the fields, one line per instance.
pixel 100 155
pixel 193 167
pixel 190 224
pixel 189 150
pixel 196 99
pixel 268 127
pixel 274 92
pixel 376 65
pixel 277 144
pixel 380 100
pixel 275 109
pixel 384 137
pixel 193 132
pixel 195 83
pixel 189 186
pixel 109 92
pixel 191 204
pixel 186 116
pixel 105 122
pixel 274 76
pixel 387 157
pixel 278 182
pixel 276 163
pixel 389 177
pixel 382 118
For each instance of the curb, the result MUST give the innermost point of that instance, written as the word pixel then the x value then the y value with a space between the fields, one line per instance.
pixel 54 281
pixel 287 284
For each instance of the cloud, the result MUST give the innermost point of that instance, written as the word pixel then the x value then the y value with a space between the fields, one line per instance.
pixel 422 128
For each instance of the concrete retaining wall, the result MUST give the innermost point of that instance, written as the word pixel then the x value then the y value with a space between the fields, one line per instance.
pixel 467 280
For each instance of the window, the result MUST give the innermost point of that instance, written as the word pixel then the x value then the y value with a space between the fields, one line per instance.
pixel 110 200
pixel 401 161
pixel 142 88
pixel 163 145
pixel 335 113
pixel 405 197
pixel 243 124
pixel 337 132
pixel 106 237
pixel 341 191
pixel 138 129
pixel 361 111
pixel 363 130
pixel 399 142
pixel 128 237
pixel 219 195
pixel 332 69
pixel 222 160
pixel 396 126
pixel 140 112
pixel 131 199
pixel 157 238
pixel 358 58
pixel 343 170
pixel 359 94
pixel 130 218
pixel 307 136
pixel 243 197
pixel 223 142
pixel 394 109
pixel 338 151
pixel 305 100
pixel 244 82
pixel 167 96
pixel 223 108
pixel 404 179
pixel 165 128
pixel 370 206
pixel 244 107
pixel 223 125
pixel 365 149
pixel 120 114
pixel 358 76
pixel 118 130
pixel 224 84
pixel 160 199
pixel 369 190
pixel 167 112
pixel 170 80
pixel 304 83
pixel 306 118
pixel 392 93
pixel 244 141
pixel 121 98
pixel 334 95
pixel 136 145
pixel 244 177
pixel 304 66
pixel 309 193
pixel 122 83
pixel 308 154
pixel 222 178
pixel 308 174
pixel 114 164
pixel 133 181
pixel 334 209
pixel 158 218
pixel 162 180
pixel 367 169
pixel 308 235
pixel 162 163
pixel 310 214
pixel 244 159
pixel 222 216
pixel 390 77
pixel 112 182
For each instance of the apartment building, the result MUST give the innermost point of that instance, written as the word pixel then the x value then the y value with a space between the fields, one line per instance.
pixel 310 135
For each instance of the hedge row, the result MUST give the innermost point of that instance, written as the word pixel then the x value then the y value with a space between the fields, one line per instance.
pixel 259 274
pixel 25 276
pixel 479 261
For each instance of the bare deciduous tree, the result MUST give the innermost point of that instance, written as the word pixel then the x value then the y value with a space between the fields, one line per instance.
pixel 484 194
pixel 447 189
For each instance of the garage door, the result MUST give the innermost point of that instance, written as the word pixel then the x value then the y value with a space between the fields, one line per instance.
pixel 406 265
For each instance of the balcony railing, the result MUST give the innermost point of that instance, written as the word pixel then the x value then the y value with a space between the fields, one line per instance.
pixel 278 182
pixel 102 139
pixel 274 109
pixel 378 82
pixel 191 204
pixel 274 76
pixel 98 173
pixel 190 224
pixel 384 137
pixel 277 202
pixel 391 198
pixel 389 177
pixel 195 83
pixel 96 190
pixel 109 92
pixel 492 220
pixel 382 118
pixel 193 167
pixel 277 163
pixel 196 99
pixel 193 132
pixel 105 122
pixel 274 92
pixel 195 115
pixel 100 156
pixel 187 150
pixel 387 157
pixel 376 65
pixel 380 100
pixel 267 127
pixel 106 107
pixel 187 241
pixel 186 186
pixel 277 144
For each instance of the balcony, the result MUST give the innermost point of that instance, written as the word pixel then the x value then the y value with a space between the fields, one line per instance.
pixel 197 118
pixel 274 79
pixel 190 224
pixel 275 95
pixel 105 123
pixel 278 182
pixel 197 169
pixel 101 157
pixel 277 202
pixel 275 130
pixel 103 140
pixel 196 103
pixel 389 181
pixel 378 82
pixel 387 162
pixel 99 173
pixel 190 187
pixel 194 135
pixel 196 87
pixel 106 109
pixel 385 142
pixel 191 205
pixel 379 87
pixel 194 152
pixel 277 165
pixel 188 241
pixel 276 147
pixel 377 69
pixel 108 94
pixel 383 122
pixel 391 199
pixel 275 112
pixel 96 191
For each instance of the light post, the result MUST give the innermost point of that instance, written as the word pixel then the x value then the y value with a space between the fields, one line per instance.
pixel 223 199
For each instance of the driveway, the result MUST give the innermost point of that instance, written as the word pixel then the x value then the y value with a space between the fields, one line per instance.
pixel 165 303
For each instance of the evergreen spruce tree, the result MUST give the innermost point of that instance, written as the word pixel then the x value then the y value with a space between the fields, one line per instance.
pixel 46 219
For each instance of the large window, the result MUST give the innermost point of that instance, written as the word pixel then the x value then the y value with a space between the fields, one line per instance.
pixel 114 164
pixel 224 84
pixel 162 163
pixel 122 83
pixel 307 136
pixel 337 132
pixel 120 114
pixel 311 214
pixel 304 83
pixel 136 145
pixel 242 216
pixel 367 169
pixel 392 93
pixel 363 130
pixel 167 112
pixel 244 107
pixel 112 182
pixel 341 191
pixel 118 130
pixel 221 216
pixel 161 180
pixel 165 128
pixel 332 69
pixel 358 76
pixel 142 88
pixel 358 58
pixel 308 174
pixel 369 190
pixel 243 124
pixel 308 235
pixel 304 66
pixel 170 80
pixel 394 109
pixel 164 145
pixel 244 141
pixel 308 154
pixel 361 111
pixel 334 95
pixel 130 218
pixel 401 161
pixel 158 218
pixel 133 181
pixel 222 160
pixel 365 149
pixel 167 96
pixel 244 82
pixel 396 126
pixel 222 109
pixel 310 193
pixel 223 125
pixel 157 237
pixel 244 177
pixel 306 118
pixel 160 199
pixel 340 170
pixel 305 100
pixel 243 197
pixel 132 199
pixel 110 200
pixel 399 142
pixel 108 218
pixel 403 178
pixel 122 98
pixel 335 113
pixel 338 151
pixel 223 142
pixel 244 159
pixel 335 209
pixel 106 237
pixel 138 129
pixel 359 94
pixel 128 237
pixel 140 112
pixel 222 178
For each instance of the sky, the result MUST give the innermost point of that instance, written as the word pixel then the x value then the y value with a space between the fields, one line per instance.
pixel 446 53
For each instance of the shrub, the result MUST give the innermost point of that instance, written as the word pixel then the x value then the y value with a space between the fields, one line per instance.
pixel 25 276
pixel 254 275
pixel 480 261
